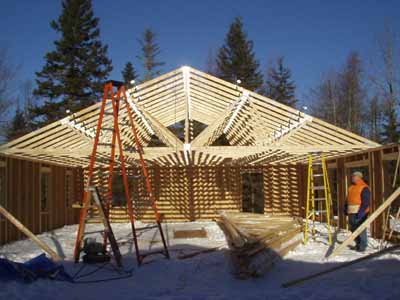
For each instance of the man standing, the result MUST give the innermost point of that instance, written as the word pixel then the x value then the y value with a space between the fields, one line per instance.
pixel 357 208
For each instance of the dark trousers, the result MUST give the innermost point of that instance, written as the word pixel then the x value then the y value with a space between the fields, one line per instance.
pixel 362 239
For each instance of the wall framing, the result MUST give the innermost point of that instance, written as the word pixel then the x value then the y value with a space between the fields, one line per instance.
pixel 23 198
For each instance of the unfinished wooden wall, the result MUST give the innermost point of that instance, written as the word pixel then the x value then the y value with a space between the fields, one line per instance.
pixel 198 193
pixel 283 189
pixel 183 193
pixel 21 190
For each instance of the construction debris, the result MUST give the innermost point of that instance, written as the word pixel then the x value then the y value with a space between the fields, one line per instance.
pixel 195 253
pixel 257 240
pixel 190 234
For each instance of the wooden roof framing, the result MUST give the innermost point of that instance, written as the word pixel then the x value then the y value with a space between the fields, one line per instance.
pixel 259 130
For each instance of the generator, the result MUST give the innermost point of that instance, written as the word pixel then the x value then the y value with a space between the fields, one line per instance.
pixel 94 252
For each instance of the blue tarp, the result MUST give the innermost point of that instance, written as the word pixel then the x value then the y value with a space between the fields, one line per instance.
pixel 38 267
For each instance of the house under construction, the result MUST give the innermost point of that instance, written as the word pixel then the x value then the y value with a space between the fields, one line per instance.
pixel 210 145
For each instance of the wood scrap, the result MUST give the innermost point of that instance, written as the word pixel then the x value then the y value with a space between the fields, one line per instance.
pixel 256 241
pixel 195 253
pixel 190 233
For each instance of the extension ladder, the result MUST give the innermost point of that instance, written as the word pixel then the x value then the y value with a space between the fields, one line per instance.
pixel 116 99
pixel 319 198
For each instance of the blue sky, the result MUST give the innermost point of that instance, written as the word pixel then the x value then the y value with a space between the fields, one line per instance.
pixel 313 36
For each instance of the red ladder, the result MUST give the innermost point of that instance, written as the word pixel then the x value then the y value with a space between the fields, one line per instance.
pixel 115 99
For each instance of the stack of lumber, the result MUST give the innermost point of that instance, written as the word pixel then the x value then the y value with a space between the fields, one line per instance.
pixel 257 240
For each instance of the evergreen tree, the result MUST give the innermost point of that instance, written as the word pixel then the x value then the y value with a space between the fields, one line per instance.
pixel 129 74
pixel 236 59
pixel 74 73
pixel 149 57
pixel 279 85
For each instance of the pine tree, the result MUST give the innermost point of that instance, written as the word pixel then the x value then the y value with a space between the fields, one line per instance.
pixel 236 59
pixel 149 57
pixel 74 73
pixel 279 85
pixel 129 74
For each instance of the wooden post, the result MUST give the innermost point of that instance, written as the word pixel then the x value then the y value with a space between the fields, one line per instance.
pixel 341 192
pixel 28 233
pixel 377 190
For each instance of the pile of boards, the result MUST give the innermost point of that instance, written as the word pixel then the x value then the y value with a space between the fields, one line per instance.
pixel 257 240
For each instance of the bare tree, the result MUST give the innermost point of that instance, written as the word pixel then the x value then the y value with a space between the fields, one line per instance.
pixel 374 118
pixel 22 121
pixel 385 78
pixel 325 100
pixel 7 75
pixel 211 66
pixel 352 95
pixel 341 99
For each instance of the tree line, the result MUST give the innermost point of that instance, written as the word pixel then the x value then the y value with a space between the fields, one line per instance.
pixel 352 96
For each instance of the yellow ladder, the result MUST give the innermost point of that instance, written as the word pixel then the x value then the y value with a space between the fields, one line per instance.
pixel 319 197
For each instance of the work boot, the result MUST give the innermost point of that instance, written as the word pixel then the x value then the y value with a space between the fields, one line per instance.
pixel 360 249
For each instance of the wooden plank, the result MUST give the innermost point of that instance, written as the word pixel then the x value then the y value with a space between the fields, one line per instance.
pixel 29 234
pixel 341 266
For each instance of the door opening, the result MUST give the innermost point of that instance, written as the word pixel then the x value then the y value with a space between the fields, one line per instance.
pixel 253 193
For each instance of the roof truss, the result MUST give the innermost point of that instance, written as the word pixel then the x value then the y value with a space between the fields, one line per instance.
pixel 259 130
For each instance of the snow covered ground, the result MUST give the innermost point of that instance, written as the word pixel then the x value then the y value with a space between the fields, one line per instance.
pixel 206 276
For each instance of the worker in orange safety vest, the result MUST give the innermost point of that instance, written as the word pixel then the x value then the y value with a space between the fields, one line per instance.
pixel 357 208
